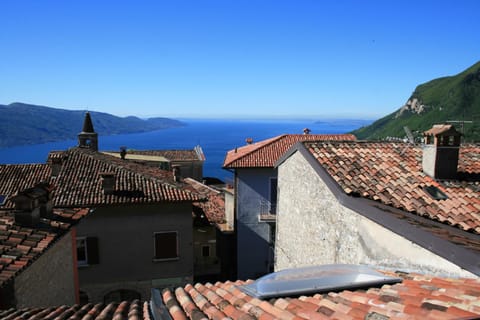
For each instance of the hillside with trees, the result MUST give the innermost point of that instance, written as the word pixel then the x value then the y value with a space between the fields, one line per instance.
pixel 31 124
pixel 454 99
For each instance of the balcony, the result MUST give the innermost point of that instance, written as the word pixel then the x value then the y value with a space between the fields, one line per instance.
pixel 267 211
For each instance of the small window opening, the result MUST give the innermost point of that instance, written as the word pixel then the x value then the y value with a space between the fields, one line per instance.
pixel 206 251
pixel 435 193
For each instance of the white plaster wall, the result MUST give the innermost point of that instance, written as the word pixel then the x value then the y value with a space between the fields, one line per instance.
pixel 313 229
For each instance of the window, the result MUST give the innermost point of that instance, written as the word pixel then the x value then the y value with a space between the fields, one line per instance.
pixel 87 251
pixel 166 245
pixel 205 251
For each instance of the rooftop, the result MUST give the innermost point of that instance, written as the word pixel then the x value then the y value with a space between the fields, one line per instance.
pixel 79 184
pixel 18 177
pixel 20 245
pixel 391 173
pixel 159 155
pixel 126 310
pixel 416 297
pixel 265 153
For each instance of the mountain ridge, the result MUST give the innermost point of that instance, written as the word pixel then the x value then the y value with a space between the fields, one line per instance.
pixel 24 124
pixel 453 99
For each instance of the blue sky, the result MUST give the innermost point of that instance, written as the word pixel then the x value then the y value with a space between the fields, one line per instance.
pixel 225 58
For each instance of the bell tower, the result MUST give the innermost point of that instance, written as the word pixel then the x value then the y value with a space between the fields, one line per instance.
pixel 88 138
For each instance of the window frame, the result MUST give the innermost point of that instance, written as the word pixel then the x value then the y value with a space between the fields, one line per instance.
pixel 91 251
pixel 82 263
pixel 155 246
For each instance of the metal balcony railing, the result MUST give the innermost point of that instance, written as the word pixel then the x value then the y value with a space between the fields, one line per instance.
pixel 267 211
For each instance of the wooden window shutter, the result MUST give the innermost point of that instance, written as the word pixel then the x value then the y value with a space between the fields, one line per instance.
pixel 92 250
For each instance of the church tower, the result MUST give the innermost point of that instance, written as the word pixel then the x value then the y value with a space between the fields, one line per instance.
pixel 88 138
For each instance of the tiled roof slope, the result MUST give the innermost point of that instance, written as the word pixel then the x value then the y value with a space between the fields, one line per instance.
pixel 79 183
pixel 18 177
pixel 20 246
pixel 391 173
pixel 126 310
pixel 265 153
pixel 417 297
pixel 214 205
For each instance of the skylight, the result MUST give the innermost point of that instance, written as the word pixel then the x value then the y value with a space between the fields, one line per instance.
pixel 435 193
pixel 333 277
pixel 3 199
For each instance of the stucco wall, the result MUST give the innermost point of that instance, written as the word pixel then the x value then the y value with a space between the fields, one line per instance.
pixel 253 237
pixel 126 248
pixel 49 280
pixel 313 228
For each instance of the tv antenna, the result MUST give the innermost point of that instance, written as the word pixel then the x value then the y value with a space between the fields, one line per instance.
pixel 409 134
pixel 411 139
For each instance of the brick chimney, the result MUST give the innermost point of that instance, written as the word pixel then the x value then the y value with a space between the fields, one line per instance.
pixel 440 151
pixel 108 182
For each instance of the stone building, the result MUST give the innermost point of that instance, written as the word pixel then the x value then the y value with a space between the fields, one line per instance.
pixel 37 241
pixel 381 203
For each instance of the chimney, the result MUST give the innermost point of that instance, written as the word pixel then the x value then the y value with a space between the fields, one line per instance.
pixel 108 182
pixel 56 165
pixel 440 151
pixel 176 173
pixel 123 152
pixel 33 203
pixel 306 131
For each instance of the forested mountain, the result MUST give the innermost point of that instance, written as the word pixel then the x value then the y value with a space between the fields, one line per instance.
pixel 454 98
pixel 30 124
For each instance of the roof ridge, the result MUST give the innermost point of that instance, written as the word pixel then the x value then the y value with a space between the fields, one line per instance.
pixel 261 143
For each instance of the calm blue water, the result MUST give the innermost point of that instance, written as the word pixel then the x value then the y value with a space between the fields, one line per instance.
pixel 215 137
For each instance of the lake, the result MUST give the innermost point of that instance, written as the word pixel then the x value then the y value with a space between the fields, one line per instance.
pixel 215 137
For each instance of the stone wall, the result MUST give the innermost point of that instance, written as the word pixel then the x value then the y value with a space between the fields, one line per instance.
pixel 49 280
pixel 313 228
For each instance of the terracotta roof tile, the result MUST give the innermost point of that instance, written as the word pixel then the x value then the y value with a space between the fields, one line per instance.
pixel 15 178
pixel 392 174
pixel 125 310
pixel 20 245
pixel 213 204
pixel 417 297
pixel 79 181
pixel 265 153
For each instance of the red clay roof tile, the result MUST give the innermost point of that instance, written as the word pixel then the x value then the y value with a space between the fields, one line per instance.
pixel 79 182
pixel 396 170
pixel 20 245
pixel 417 297
pixel 265 153
pixel 125 310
